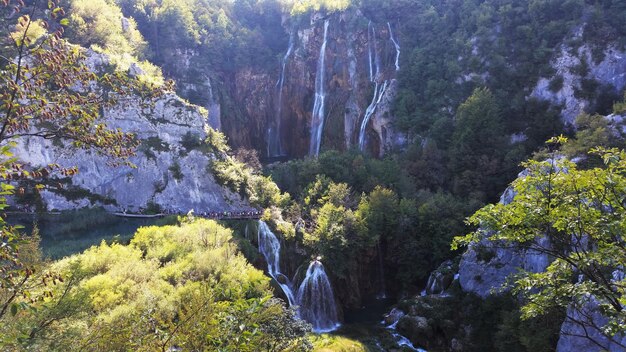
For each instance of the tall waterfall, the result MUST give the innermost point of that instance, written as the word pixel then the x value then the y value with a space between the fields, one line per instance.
pixel 395 43
pixel 214 109
pixel 316 299
pixel 317 120
pixel 274 143
pixel 374 59
pixel 369 50
pixel 269 246
pixel 379 92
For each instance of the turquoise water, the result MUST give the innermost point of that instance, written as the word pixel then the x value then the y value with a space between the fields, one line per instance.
pixel 75 231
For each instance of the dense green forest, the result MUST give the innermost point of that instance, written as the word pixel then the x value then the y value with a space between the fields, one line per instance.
pixel 380 225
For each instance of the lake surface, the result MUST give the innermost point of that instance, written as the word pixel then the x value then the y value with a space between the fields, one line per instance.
pixel 74 231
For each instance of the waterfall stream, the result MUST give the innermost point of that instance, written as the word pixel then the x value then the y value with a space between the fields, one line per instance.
pixel 317 119
pixel 369 50
pixel 317 300
pixel 274 143
pixel 214 109
pixel 373 42
pixel 379 92
pixel 395 43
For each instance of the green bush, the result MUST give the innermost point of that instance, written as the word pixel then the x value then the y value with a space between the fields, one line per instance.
pixel 182 286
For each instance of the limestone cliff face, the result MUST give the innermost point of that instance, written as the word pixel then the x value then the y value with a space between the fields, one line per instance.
pixel 576 73
pixel 485 267
pixel 172 171
pixel 265 109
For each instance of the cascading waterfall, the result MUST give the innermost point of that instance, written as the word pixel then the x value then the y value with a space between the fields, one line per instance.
pixel 379 92
pixel 395 43
pixel 316 299
pixel 274 144
pixel 317 120
pixel 269 246
pixel 375 72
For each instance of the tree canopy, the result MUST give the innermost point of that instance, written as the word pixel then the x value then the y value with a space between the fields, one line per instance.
pixel 577 217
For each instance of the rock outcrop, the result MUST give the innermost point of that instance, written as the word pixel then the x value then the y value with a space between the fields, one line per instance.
pixel 485 267
pixel 575 71
pixel 440 279
pixel 172 163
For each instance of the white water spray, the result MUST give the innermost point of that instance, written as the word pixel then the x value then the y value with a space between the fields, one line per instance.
pixel 317 120
pixel 397 45
pixel 316 299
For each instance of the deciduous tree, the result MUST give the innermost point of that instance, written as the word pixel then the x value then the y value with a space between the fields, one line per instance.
pixel 582 214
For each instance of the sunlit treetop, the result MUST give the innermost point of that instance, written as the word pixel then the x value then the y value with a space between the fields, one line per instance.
pixel 296 7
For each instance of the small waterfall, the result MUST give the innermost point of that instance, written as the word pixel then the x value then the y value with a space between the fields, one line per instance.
pixel 269 246
pixel 316 299
pixel 395 43
pixel 401 341
pixel 317 119
pixel 214 109
pixel 274 144
pixel 379 92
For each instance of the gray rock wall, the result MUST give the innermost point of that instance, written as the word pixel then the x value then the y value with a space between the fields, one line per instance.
pixel 166 172
pixel 610 71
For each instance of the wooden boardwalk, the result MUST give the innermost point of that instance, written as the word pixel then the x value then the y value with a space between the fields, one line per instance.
pixel 245 215
pixel 225 215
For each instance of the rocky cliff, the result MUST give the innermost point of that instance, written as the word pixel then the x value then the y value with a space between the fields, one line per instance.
pixel 172 161
pixel 485 267
pixel 276 107
pixel 583 82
